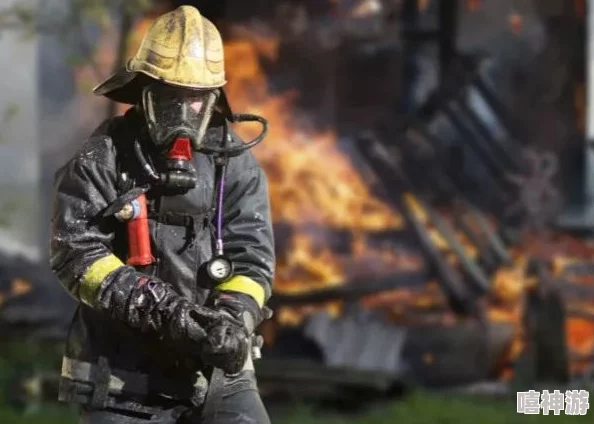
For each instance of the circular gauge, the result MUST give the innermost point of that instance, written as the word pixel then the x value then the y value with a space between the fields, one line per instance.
pixel 220 269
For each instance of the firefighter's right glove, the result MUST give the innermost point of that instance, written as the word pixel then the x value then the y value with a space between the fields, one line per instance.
pixel 155 307
pixel 227 346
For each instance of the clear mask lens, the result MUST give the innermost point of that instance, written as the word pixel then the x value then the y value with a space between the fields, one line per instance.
pixel 171 111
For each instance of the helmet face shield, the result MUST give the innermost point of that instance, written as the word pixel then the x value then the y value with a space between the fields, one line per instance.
pixel 173 112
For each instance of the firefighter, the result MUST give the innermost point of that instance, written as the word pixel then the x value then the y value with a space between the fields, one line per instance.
pixel 161 231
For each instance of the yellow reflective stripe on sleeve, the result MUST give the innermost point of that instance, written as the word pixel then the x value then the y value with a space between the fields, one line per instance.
pixel 94 276
pixel 245 285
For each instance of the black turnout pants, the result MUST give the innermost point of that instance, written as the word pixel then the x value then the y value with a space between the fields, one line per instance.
pixel 239 402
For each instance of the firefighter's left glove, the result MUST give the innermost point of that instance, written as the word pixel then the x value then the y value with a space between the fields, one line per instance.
pixel 229 342
pixel 227 345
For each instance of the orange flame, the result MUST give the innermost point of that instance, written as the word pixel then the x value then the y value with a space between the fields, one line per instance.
pixel 311 182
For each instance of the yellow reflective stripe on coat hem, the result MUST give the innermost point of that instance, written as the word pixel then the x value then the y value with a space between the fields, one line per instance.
pixel 95 275
pixel 245 285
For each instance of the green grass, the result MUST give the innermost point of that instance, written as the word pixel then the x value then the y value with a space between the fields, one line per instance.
pixel 418 408
pixel 47 415
pixel 423 408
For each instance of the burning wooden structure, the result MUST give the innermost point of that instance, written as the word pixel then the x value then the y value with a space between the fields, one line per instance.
pixel 427 230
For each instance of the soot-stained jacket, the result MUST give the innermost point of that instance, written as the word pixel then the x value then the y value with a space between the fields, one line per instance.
pixel 88 249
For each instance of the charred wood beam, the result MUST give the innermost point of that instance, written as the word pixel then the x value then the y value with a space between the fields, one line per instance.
pixel 418 317
pixel 473 73
pixel 460 297
pixel 492 249
pixel 494 101
pixel 475 274
pixel 545 327
pixel 492 164
pixel 451 282
pixel 499 195
pixel 486 255
pixel 474 138
pixel 510 157
pixel 450 279
pixel 469 266
pixel 353 290
pixel 467 79
pixel 472 223
pixel 496 242
pixel 448 161
pixel 455 189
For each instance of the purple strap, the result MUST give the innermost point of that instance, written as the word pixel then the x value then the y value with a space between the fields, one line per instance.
pixel 219 242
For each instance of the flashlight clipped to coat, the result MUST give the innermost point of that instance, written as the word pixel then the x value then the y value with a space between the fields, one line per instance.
pixel 135 212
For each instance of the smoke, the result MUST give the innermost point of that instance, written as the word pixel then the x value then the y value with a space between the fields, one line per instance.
pixel 19 159
pixel 67 113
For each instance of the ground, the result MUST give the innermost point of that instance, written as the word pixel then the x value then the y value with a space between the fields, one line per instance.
pixel 417 408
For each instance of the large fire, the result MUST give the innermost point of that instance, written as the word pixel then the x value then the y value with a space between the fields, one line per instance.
pixel 313 185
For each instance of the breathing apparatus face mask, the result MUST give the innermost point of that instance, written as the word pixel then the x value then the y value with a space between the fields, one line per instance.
pixel 174 112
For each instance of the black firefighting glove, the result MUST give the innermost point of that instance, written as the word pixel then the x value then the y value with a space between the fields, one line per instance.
pixel 227 345
pixel 154 306
pixel 229 341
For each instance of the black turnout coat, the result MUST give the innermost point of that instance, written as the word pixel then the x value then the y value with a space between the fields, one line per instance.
pixel 182 237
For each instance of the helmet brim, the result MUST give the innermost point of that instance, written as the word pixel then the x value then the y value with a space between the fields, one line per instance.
pixel 123 87
pixel 126 86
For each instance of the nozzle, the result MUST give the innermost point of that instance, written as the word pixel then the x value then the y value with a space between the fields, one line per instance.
pixel 256 353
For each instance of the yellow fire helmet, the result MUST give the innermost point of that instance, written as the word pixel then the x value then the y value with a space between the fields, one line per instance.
pixel 181 48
